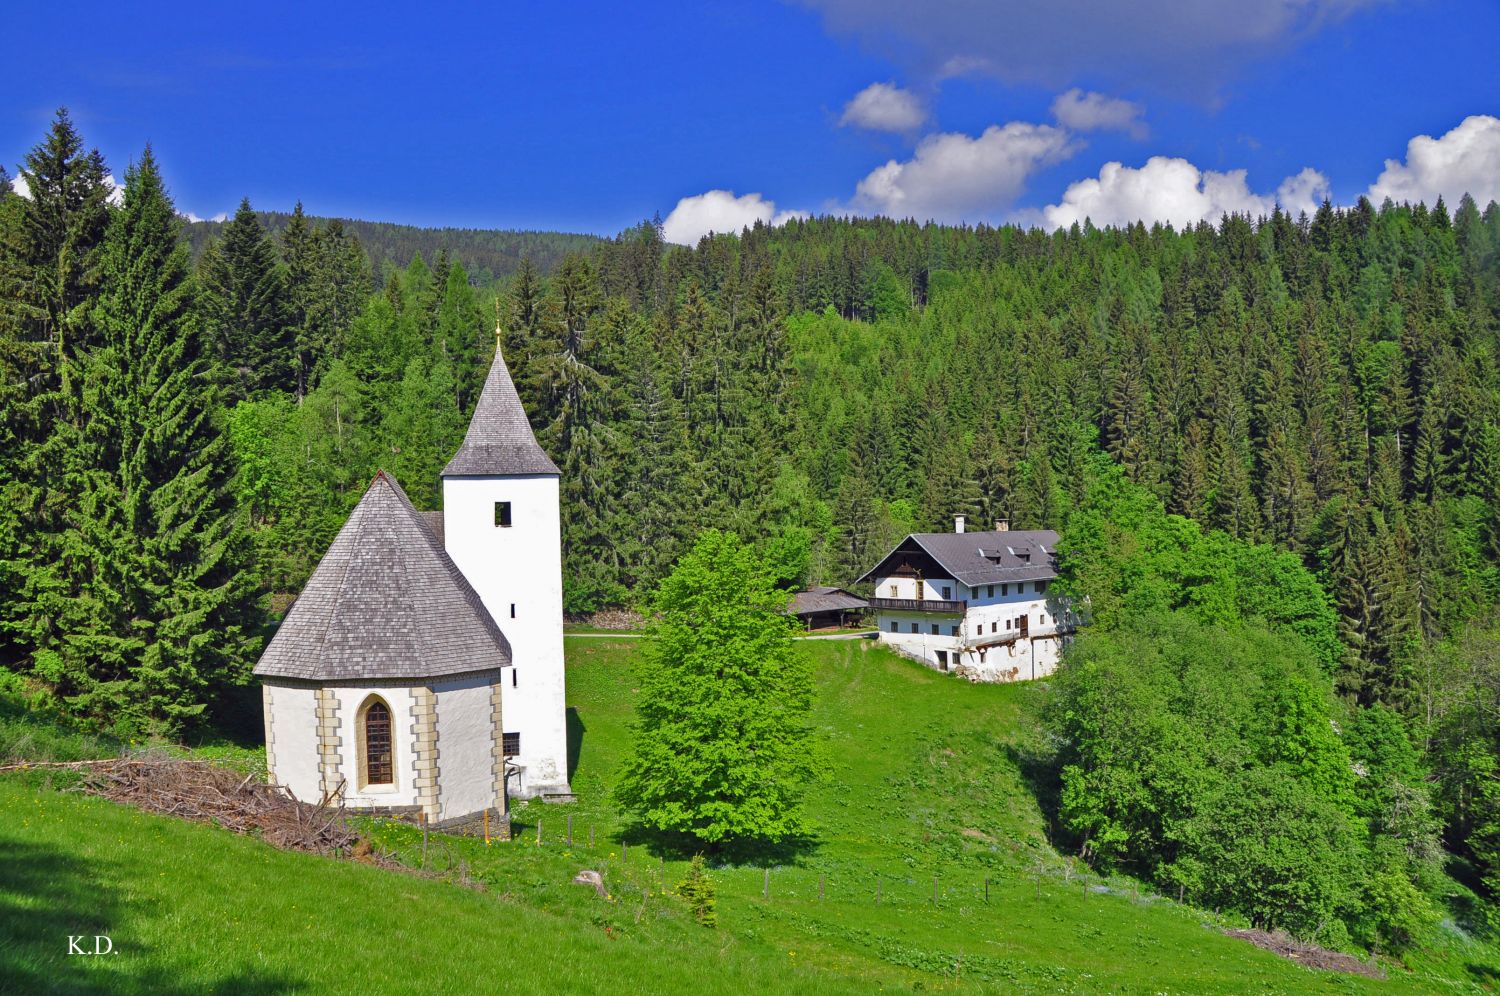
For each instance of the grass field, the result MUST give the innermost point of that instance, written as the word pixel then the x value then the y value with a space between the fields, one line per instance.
pixel 925 797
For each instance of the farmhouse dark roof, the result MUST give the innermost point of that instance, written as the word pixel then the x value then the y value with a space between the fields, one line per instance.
pixel 825 599
pixel 984 558
pixel 386 602
pixel 499 440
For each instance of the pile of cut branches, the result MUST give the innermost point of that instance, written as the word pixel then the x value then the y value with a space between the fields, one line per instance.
pixel 206 793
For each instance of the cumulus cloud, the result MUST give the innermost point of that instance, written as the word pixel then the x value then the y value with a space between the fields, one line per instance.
pixel 955 177
pixel 720 211
pixel 1095 112
pixel 1054 41
pixel 884 107
pixel 1176 191
pixel 116 195
pixel 1464 161
pixel 191 217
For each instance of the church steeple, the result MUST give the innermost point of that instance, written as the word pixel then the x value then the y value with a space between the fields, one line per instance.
pixel 499 441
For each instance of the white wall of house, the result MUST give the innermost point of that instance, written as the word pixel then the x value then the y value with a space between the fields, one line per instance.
pixel 465 739
pixel 992 615
pixel 293 738
pixel 517 571
pixel 402 791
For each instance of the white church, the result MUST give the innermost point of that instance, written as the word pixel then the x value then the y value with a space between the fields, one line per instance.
pixel 420 672
pixel 980 604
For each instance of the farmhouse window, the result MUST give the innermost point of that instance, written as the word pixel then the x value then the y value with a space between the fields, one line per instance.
pixel 377 754
pixel 913 627
pixel 947 593
pixel 893 591
pixel 979 630
pixel 1041 587
pixel 921 589
pixel 1021 588
pixel 1042 618
pixel 502 514
pixel 510 744
pixel 989 591
pixel 934 629
pixel 952 630
pixel 1004 590
pixel 994 627
pixel 894 625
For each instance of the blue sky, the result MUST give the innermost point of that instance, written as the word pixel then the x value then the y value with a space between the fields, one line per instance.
pixel 590 117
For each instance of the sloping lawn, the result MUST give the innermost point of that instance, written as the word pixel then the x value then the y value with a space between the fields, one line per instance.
pixel 924 800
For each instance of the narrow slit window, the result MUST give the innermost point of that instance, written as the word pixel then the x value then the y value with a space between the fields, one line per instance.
pixel 513 679
pixel 502 514
pixel 512 610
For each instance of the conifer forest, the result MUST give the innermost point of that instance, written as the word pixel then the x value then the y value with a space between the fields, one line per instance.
pixel 1285 430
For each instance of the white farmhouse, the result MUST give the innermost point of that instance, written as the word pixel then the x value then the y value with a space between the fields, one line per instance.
pixel 978 603
pixel 420 672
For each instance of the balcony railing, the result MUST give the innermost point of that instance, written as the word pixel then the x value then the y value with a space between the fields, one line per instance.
pixel 943 606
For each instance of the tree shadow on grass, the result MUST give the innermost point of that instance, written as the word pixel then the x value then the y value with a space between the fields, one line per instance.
pixel 48 895
pixel 757 853
pixel 1038 767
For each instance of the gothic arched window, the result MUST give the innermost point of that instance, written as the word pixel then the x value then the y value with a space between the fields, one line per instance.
pixel 376 760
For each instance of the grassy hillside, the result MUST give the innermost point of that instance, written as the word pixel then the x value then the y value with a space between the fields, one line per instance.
pixel 924 780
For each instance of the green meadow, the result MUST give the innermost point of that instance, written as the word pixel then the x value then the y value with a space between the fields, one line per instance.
pixel 931 869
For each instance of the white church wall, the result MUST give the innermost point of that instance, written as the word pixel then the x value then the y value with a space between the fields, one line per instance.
pixel 465 742
pixel 294 734
pixel 517 571
pixel 402 792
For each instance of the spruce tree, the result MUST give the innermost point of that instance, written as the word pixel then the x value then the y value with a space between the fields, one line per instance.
pixel 246 310
pixel 153 551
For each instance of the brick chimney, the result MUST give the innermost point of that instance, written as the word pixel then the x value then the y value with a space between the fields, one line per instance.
pixel 958 523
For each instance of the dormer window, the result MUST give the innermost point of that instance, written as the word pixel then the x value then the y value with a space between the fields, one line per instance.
pixel 502 514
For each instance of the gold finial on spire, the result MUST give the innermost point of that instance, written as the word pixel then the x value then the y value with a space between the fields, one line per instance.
pixel 499 332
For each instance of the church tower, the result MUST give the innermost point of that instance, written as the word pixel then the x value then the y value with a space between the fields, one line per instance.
pixel 502 527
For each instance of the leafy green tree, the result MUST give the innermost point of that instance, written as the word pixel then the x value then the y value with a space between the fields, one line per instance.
pixel 722 747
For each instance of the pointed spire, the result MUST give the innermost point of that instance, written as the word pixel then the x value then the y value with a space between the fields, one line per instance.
pixel 499 442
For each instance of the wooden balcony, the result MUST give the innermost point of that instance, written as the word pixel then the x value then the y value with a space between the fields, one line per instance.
pixel 940 606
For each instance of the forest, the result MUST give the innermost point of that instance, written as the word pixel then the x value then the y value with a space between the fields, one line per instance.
pixel 1270 441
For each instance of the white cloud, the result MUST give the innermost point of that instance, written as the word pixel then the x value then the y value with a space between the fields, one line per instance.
pixel 884 107
pixel 1094 112
pixel 1176 191
pixel 955 177
pixel 191 217
pixel 1464 161
pixel 1183 47
pixel 720 211
pixel 116 195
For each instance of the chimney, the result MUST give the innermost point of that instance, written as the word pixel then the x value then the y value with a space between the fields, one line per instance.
pixel 1002 525
pixel 958 523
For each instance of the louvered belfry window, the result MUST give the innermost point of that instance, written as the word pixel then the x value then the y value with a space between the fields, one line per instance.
pixel 378 767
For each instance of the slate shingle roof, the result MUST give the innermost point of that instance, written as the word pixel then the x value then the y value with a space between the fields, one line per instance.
pixel 499 440
pixel 825 599
pixel 985 557
pixel 386 602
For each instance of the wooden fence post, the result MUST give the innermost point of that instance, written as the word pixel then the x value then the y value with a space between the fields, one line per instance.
pixel 765 888
pixel 539 830
pixel 570 829
pixel 820 888
pixel 934 890
pixel 986 892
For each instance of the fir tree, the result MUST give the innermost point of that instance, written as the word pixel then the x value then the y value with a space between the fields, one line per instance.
pixel 246 311
pixel 156 586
